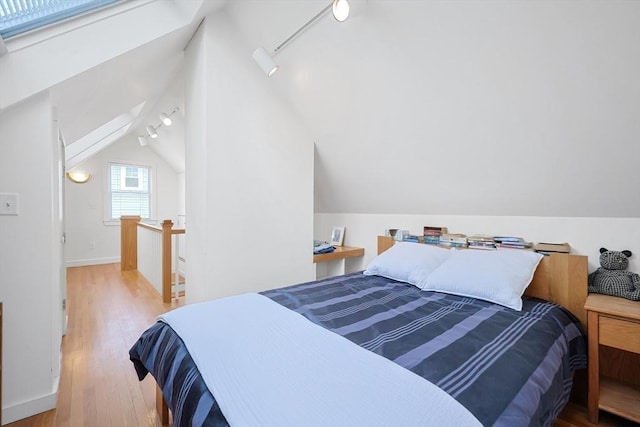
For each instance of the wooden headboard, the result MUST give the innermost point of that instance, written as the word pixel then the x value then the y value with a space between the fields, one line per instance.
pixel 560 278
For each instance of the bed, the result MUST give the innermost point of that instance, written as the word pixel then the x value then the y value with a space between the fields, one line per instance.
pixel 408 348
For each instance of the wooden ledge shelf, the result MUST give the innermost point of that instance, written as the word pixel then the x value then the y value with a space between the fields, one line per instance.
pixel 341 252
pixel 620 398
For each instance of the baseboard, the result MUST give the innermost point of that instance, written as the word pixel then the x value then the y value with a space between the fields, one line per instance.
pixel 29 408
pixel 95 261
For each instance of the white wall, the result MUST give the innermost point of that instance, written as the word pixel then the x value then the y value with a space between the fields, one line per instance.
pixel 585 235
pixel 85 203
pixel 492 108
pixel 249 172
pixel 30 260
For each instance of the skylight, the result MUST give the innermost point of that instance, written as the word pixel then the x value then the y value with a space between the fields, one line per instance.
pixel 20 16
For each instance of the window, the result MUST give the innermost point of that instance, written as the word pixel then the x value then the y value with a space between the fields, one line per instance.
pixel 20 16
pixel 129 191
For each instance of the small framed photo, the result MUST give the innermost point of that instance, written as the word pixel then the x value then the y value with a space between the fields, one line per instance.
pixel 337 235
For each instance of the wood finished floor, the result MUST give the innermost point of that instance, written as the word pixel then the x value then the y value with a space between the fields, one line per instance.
pixel 108 310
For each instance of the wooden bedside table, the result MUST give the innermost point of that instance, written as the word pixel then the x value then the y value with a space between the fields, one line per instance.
pixel 338 256
pixel 613 322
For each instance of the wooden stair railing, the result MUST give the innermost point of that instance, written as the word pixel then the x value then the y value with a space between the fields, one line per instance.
pixel 129 242
pixel 129 248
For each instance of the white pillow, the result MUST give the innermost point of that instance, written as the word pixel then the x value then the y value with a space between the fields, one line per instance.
pixel 402 258
pixel 499 276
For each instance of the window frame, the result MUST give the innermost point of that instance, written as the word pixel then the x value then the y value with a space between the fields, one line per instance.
pixel 35 17
pixel 107 190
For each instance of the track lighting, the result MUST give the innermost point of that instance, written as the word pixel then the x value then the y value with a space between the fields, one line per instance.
pixel 152 132
pixel 166 120
pixel 265 61
pixel 340 9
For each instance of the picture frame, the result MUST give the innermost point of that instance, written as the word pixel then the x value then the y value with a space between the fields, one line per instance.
pixel 337 235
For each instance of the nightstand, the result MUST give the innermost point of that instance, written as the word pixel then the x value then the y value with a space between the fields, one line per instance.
pixel 335 263
pixel 612 322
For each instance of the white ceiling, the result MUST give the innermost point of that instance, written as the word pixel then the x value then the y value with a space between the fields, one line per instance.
pixel 149 74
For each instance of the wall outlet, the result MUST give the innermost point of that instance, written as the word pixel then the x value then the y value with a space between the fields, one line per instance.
pixel 8 204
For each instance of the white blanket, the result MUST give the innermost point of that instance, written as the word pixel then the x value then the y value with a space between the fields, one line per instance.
pixel 269 366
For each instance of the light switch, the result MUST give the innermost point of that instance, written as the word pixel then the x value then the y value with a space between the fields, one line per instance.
pixel 8 204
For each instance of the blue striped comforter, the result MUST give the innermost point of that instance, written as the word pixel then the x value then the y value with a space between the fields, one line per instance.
pixel 508 368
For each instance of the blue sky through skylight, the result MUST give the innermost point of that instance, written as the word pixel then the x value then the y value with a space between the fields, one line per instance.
pixel 20 16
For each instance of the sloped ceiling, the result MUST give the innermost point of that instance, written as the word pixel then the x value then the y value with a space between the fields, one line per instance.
pixel 100 69
pixel 103 92
pixel 465 107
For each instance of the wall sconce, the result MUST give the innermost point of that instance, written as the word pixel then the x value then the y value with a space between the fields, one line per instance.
pixel 79 177
pixel 340 9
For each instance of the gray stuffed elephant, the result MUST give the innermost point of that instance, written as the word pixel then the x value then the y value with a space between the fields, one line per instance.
pixel 612 277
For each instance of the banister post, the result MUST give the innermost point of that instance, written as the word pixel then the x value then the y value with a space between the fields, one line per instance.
pixel 129 242
pixel 167 224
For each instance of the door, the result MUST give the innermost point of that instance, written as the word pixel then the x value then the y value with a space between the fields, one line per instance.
pixel 63 234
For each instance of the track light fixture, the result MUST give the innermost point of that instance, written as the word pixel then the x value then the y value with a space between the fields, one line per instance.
pixel 165 119
pixel 152 131
pixel 265 61
pixel 340 9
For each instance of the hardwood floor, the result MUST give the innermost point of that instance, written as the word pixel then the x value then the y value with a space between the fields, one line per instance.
pixel 108 310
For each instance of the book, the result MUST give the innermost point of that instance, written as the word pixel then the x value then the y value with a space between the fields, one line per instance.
pixel 480 238
pixel 411 238
pixel 552 247
pixel 505 239
pixel 434 231
pixel 483 247
pixel 456 240
pixel 514 245
pixel 453 244
pixel 431 235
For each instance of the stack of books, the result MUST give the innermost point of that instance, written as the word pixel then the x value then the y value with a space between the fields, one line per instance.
pixel 411 238
pixel 547 248
pixel 453 240
pixel 511 242
pixel 432 234
pixel 481 242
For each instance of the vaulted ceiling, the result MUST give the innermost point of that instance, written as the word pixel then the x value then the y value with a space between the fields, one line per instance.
pixel 109 74
pixel 472 108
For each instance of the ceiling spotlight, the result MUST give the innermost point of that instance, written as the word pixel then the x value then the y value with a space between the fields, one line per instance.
pixel 166 120
pixel 340 10
pixel 265 61
pixel 152 132
pixel 143 141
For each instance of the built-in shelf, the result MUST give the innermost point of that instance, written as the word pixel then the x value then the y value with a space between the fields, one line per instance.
pixel 620 398
pixel 341 252
pixel 335 263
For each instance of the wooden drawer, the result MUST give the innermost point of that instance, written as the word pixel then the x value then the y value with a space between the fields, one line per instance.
pixel 619 333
